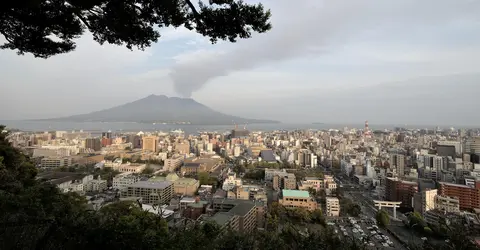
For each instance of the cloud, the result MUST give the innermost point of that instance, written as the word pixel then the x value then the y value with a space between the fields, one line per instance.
pixel 315 47
pixel 310 28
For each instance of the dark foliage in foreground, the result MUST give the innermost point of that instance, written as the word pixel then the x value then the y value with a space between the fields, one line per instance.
pixel 28 26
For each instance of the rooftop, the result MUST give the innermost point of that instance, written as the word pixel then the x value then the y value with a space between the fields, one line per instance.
pixel 185 181
pixel 295 193
pixel 221 218
pixel 455 185
pixel 152 184
pixel 242 209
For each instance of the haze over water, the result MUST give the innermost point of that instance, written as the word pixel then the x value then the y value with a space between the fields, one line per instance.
pixel 189 129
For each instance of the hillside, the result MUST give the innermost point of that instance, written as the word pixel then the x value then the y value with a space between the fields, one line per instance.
pixel 159 109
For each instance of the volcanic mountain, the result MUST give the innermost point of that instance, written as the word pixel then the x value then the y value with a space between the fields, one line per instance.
pixel 162 109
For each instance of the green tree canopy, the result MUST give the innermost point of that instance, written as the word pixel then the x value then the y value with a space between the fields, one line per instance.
pixel 382 218
pixel 49 27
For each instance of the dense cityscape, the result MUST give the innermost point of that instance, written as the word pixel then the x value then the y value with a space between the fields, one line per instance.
pixel 382 189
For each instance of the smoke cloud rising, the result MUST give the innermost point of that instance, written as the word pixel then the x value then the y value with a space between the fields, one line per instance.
pixel 300 29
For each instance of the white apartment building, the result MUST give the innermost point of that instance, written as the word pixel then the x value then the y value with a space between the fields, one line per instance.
pixel 333 206
pixel 270 173
pixel 231 182
pixel 76 185
pixel 447 204
pixel 130 167
pixel 173 163
pixel 97 185
pixel 122 181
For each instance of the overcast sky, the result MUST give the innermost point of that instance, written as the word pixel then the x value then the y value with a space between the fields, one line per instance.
pixel 389 62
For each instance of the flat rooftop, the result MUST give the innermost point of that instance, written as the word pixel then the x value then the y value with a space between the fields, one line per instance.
pixel 152 184
pixel 295 193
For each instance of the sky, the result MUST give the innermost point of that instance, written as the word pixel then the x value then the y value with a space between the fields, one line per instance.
pixel 342 61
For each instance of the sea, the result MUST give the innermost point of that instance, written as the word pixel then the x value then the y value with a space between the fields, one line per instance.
pixel 96 127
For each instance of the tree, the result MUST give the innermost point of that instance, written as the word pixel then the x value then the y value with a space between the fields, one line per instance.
pixel 49 27
pixel 204 178
pixel 349 208
pixel 416 221
pixel 148 170
pixel 317 217
pixel 382 218
pixel 312 191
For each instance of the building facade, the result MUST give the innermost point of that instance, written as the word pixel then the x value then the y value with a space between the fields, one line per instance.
pixel 468 195
pixel 297 199
pixel 333 206
pixel 151 192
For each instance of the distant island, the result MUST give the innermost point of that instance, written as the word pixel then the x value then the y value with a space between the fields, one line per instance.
pixel 161 109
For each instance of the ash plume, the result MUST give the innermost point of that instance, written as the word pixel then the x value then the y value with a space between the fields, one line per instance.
pixel 301 29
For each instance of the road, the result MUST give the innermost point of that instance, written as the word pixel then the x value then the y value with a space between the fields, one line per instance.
pixel 365 200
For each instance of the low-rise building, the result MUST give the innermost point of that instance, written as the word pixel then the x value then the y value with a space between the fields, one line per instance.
pixel 238 215
pixel 447 204
pixel 97 185
pixel 151 192
pixel 173 163
pixel 248 192
pixel 122 181
pixel 56 162
pixel 297 199
pixel 231 181
pixel 182 186
pixel 130 168
pixel 270 173
pixel 333 206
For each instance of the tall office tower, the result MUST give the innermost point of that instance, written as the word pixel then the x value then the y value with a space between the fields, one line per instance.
pixel 150 143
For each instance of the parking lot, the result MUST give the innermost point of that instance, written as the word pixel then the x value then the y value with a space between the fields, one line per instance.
pixel 364 231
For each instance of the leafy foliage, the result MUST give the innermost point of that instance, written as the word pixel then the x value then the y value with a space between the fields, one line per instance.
pixel 49 27
pixel 349 208
pixel 382 218
pixel 256 174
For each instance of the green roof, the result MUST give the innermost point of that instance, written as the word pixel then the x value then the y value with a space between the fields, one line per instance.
pixel 295 193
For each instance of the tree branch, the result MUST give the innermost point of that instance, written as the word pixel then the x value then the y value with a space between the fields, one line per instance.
pixel 6 37
pixel 196 15
pixel 84 21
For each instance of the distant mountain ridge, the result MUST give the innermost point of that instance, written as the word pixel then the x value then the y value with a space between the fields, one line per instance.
pixel 161 109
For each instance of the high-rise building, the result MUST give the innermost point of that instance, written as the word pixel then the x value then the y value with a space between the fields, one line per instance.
pixel 93 143
pixel 150 143
pixel 398 162
pixel 397 190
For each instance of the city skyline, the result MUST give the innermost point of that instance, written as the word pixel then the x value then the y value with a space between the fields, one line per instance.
pixel 322 62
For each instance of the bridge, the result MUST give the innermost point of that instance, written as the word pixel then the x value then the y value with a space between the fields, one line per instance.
pixel 394 204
